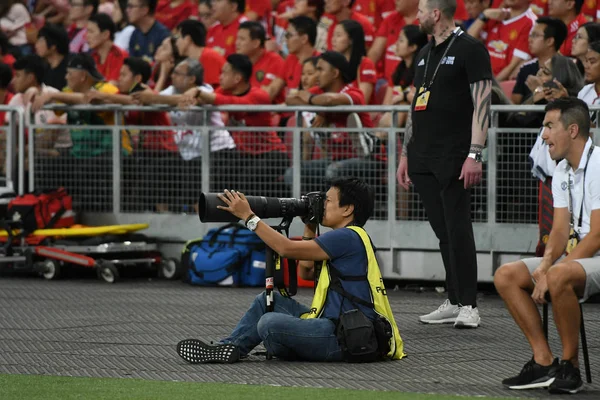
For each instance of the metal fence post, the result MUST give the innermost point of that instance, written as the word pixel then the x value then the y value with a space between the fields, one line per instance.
pixel 297 155
pixel 10 134
pixel 205 161
pixel 492 168
pixel 392 151
pixel 21 130
pixel 116 162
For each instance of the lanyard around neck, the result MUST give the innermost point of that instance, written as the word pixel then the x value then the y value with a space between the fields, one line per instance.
pixel 454 36
pixel 571 202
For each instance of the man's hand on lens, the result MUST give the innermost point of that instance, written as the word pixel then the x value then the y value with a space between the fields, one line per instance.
pixel 236 204
pixel 471 172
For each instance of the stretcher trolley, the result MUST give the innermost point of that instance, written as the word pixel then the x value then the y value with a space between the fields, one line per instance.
pixel 107 249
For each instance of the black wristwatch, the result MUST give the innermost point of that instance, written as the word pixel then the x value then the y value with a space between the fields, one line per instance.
pixel 483 17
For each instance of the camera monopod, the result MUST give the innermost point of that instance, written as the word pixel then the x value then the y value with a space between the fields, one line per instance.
pixel 275 272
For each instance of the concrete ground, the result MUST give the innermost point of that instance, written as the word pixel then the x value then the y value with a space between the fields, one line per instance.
pixel 83 327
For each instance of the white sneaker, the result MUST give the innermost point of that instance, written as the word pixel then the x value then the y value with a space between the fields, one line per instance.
pixel 445 314
pixel 468 317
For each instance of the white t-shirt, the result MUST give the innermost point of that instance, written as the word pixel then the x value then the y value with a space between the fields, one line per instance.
pixel 43 117
pixel 589 95
pixel 190 141
pixel 123 37
pixel 564 175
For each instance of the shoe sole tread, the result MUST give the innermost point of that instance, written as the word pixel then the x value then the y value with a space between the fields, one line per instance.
pixel 197 352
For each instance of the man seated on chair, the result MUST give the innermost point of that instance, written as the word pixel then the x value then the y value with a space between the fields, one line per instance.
pixel 292 330
pixel 568 274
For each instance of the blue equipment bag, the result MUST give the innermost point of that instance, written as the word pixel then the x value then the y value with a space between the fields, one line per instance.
pixel 231 255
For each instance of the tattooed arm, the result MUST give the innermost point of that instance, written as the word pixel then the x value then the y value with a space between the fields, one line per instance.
pixel 408 132
pixel 481 92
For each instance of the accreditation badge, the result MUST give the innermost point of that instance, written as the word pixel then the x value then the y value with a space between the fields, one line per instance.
pixel 422 99
pixel 573 241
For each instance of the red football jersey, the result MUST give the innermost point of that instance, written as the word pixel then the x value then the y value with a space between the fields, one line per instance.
pixel 573 27
pixel 263 9
pixel 171 16
pixel 508 39
pixel 156 140
pixel 251 142
pixel 589 9
pixel 339 144
pixel 268 67
pixel 213 63
pixel 367 73
pixel 390 29
pixel 374 10
pixel 361 19
pixel 111 68
pixel 292 69
pixel 222 38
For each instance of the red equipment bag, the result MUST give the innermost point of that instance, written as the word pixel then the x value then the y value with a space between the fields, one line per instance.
pixel 42 210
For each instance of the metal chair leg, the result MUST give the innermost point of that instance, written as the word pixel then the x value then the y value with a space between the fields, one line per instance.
pixel 584 348
pixel 545 319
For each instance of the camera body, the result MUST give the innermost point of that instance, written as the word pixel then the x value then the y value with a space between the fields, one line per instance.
pixel 309 206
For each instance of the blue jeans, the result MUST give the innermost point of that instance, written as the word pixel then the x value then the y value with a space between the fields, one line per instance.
pixel 283 333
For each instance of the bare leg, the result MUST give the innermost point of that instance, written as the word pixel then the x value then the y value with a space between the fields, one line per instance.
pixel 514 284
pixel 566 283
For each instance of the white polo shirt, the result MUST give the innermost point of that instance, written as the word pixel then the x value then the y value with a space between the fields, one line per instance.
pixel 589 95
pixel 564 174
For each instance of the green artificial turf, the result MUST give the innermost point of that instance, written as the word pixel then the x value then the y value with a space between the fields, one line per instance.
pixel 32 387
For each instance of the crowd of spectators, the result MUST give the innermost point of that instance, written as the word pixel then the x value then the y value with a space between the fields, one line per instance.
pixel 250 52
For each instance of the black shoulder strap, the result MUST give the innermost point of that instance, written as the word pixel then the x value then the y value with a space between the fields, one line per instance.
pixel 336 286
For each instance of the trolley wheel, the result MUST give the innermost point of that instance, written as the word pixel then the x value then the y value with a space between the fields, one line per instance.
pixel 107 272
pixel 170 268
pixel 50 270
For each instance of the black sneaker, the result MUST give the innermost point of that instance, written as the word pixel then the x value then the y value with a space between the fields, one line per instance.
pixel 533 376
pixel 568 379
pixel 196 351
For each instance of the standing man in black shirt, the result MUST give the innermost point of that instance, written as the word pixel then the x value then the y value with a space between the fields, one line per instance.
pixel 441 155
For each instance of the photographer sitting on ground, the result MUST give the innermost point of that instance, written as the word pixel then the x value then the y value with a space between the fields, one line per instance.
pixel 349 280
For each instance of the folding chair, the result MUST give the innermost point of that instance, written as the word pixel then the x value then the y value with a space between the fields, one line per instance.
pixel 586 358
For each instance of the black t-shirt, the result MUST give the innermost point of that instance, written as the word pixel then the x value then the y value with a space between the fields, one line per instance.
pixel 530 68
pixel 56 77
pixel 444 128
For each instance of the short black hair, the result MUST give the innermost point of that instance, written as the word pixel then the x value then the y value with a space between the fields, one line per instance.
pixel 105 23
pixel 151 4
pixel 257 31
pixel 194 29
pixel 572 111
pixel 555 28
pixel 356 192
pixel 241 64
pixel 6 76
pixel 55 35
pixel 94 3
pixel 578 5
pixel 139 66
pixel 241 5
pixel 3 43
pixel 305 26
pixel 33 64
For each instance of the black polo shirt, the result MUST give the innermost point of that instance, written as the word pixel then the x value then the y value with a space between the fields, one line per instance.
pixel 57 77
pixel 444 128
pixel 529 68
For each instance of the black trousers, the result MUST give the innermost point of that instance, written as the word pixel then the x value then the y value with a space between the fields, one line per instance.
pixel 448 207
